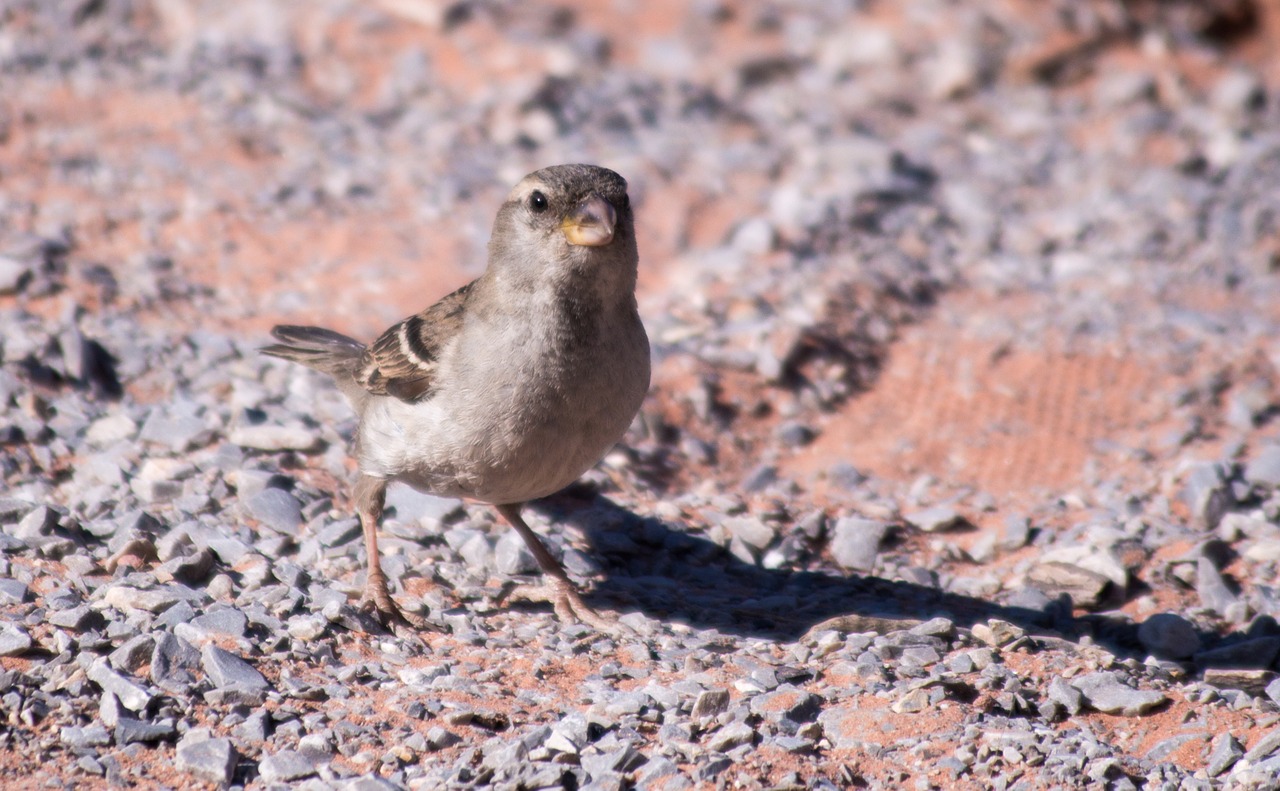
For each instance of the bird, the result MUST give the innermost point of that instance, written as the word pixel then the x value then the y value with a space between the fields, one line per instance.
pixel 509 388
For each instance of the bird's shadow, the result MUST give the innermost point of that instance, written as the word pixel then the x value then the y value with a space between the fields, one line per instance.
pixel 677 577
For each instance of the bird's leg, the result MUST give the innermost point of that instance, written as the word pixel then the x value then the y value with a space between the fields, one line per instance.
pixel 568 601
pixel 370 496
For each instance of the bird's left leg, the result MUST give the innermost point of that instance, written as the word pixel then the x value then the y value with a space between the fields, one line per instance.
pixel 370 496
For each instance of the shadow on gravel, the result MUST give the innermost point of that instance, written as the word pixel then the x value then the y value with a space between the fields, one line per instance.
pixel 676 577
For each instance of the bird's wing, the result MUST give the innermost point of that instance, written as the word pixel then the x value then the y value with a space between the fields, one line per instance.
pixel 402 363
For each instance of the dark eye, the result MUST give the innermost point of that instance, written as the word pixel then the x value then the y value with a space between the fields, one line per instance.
pixel 538 202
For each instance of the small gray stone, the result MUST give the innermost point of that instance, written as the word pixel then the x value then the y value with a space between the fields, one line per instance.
pixel 1103 691
pixel 14 640
pixel 751 531
pixel 415 507
pixel 14 275
pixel 225 669
pixel 225 622
pixel 1207 494
pixel 1212 588
pixel 512 556
pixel 135 653
pixel 710 703
pixel 1017 532
pixel 276 509
pixel 335 534
pixel 438 738
pixel 1169 636
pixel 13 591
pixel 77 619
pixel 172 659
pixel 760 478
pixel 855 542
pixel 1226 751
pixel 1263 470
pixel 286 765
pixel 208 760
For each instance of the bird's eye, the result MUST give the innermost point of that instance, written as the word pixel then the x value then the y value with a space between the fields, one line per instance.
pixel 538 202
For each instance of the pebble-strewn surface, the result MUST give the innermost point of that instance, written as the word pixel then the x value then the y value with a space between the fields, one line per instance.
pixel 961 467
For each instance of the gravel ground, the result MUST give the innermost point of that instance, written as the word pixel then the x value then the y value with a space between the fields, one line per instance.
pixel 961 467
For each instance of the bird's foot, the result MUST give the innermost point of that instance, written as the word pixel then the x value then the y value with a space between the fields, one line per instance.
pixel 564 597
pixel 377 602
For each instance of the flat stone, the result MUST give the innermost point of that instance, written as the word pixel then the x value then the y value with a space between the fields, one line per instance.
pixel 14 640
pixel 1264 748
pixel 225 622
pixel 127 597
pixel 735 734
pixel 208 760
pixel 276 438
pixel 787 702
pixel 1086 588
pixel 1260 652
pixel 277 509
pixel 1252 681
pixel 225 669
pixel 1226 751
pixel 936 519
pixel 1105 693
pixel 76 618
pixel 131 696
pixel 13 591
pixel 335 534
pixel 285 766
pixel 130 730
pixel 93 735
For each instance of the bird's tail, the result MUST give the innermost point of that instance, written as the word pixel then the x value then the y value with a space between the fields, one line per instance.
pixel 324 350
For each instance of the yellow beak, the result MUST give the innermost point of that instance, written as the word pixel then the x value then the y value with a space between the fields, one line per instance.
pixel 591 224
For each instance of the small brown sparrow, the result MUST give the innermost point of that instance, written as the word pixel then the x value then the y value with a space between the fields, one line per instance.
pixel 514 385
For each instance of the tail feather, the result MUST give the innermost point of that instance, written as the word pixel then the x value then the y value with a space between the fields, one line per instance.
pixel 315 347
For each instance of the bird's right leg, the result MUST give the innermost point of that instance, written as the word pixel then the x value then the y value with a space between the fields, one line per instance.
pixel 370 496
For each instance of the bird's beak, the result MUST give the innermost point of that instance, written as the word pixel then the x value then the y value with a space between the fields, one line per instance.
pixel 591 224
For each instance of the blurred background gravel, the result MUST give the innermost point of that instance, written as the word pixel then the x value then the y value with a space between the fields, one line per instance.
pixel 961 466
